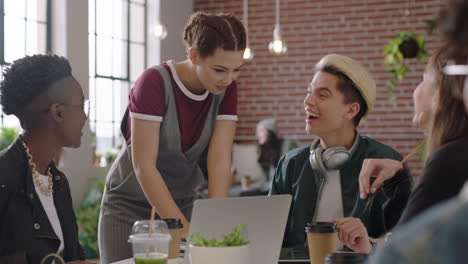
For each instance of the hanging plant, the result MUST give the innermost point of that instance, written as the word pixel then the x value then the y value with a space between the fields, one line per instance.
pixel 404 45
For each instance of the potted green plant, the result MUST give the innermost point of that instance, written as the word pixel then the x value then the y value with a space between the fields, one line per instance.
pixel 404 45
pixel 7 136
pixel 231 249
pixel 110 156
pixel 87 216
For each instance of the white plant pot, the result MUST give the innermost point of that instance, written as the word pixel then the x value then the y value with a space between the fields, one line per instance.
pixel 220 255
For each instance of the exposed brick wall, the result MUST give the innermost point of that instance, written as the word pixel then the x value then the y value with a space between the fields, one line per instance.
pixel 272 86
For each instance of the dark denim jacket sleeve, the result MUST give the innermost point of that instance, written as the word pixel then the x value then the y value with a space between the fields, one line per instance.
pixel 398 190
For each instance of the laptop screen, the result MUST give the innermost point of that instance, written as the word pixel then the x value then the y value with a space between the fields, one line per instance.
pixel 264 218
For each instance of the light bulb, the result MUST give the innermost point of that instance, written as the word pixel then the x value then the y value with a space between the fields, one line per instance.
pixel 159 31
pixel 277 46
pixel 248 54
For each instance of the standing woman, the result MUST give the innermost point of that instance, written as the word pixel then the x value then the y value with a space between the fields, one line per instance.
pixel 36 211
pixel 175 111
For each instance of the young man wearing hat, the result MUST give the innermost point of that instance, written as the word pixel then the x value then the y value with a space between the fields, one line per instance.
pixel 323 178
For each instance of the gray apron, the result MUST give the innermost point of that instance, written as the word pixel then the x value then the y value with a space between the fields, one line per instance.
pixel 124 202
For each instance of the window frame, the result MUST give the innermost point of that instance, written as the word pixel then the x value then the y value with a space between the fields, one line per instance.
pixel 95 76
pixel 48 45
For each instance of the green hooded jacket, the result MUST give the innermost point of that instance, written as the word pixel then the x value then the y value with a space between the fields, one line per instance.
pixel 379 212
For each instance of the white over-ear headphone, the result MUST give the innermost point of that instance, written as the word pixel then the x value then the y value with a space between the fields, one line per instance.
pixel 333 158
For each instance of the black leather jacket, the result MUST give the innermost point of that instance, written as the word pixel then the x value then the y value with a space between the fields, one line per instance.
pixel 25 229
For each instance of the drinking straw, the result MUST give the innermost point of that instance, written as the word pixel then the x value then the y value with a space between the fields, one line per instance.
pixel 153 212
pixel 416 149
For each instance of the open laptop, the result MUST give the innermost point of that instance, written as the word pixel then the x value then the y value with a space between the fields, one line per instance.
pixel 264 217
pixel 294 255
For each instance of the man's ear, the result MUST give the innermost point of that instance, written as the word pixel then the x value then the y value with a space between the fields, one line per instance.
pixel 353 110
pixel 56 111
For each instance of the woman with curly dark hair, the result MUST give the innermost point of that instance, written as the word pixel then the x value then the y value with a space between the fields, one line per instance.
pixel 36 208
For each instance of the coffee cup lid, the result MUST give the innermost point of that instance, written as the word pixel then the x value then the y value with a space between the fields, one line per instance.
pixel 321 227
pixel 345 258
pixel 173 223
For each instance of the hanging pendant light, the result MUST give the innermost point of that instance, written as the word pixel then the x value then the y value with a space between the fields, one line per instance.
pixel 248 54
pixel 159 30
pixel 277 45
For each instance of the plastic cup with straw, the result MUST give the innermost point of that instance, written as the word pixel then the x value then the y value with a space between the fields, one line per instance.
pixel 150 241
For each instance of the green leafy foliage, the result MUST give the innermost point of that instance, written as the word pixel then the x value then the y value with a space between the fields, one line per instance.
pixel 87 216
pixel 7 136
pixel 431 25
pixel 233 239
pixel 395 60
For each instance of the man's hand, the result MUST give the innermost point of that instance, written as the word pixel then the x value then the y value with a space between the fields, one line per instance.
pixel 381 170
pixel 353 233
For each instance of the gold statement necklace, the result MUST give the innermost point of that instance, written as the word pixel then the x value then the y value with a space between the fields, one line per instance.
pixel 47 191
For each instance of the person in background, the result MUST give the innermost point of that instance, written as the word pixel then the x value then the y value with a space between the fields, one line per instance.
pixel 323 177
pixel 36 209
pixel 271 147
pixel 439 108
pixel 175 111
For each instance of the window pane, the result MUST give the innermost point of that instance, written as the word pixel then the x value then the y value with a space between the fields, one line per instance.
pixel 11 121
pixel 103 136
pixel 104 56
pixel 92 126
pixel 118 138
pixel 120 18
pixel 92 55
pixel 16 8
pixel 22 35
pixel 37 10
pixel 37 38
pixel 92 99
pixel 104 99
pixel 137 23
pixel 14 38
pixel 108 95
pixel 120 59
pixel 137 59
pixel 120 99
pixel 104 18
pixel 117 101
